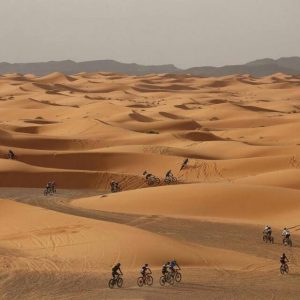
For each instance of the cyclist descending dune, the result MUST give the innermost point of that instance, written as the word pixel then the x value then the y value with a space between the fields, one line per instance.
pixel 184 164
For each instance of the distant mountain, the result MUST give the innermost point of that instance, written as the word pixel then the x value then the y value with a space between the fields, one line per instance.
pixel 70 67
pixel 261 67
pixel 258 68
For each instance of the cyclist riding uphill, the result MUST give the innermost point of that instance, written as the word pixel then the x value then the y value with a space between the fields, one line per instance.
pixel 115 270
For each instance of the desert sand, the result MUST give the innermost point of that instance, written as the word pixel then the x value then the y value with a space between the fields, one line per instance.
pixel 241 135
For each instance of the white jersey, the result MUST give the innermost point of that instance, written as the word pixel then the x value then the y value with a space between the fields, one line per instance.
pixel 285 232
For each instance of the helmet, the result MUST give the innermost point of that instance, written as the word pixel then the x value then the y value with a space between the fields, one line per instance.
pixel 168 263
pixel 146 265
pixel 118 264
pixel 285 228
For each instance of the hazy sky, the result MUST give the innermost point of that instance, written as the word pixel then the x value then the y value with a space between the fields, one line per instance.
pixel 183 32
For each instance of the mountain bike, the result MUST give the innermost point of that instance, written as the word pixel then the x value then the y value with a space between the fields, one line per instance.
pixel 145 280
pixel 170 180
pixel 287 242
pixel 284 268
pixel 118 281
pixel 176 275
pixel 268 238
pixel 166 278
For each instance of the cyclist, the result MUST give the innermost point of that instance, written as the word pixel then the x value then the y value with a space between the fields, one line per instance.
pixel 169 174
pixel 114 186
pixel 53 186
pixel 11 155
pixel 145 270
pixel 48 187
pixel 286 234
pixel 184 164
pixel 147 175
pixel 174 265
pixel 268 230
pixel 115 270
pixel 165 268
pixel 283 259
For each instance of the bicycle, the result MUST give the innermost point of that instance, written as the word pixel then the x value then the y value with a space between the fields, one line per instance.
pixel 47 192
pixel 118 281
pixel 176 275
pixel 115 189
pixel 268 238
pixel 284 268
pixel 170 180
pixel 151 179
pixel 166 278
pixel 287 242
pixel 145 280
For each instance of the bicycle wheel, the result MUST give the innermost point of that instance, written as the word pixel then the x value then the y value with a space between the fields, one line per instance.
pixel 281 269
pixel 174 180
pixel 149 280
pixel 286 268
pixel 157 181
pixel 264 238
pixel 178 277
pixel 120 282
pixel 162 280
pixel 289 242
pixel 272 240
pixel 111 283
pixel 140 281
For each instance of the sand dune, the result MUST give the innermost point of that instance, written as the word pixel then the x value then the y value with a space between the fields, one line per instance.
pixel 77 240
pixel 225 201
pixel 241 135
